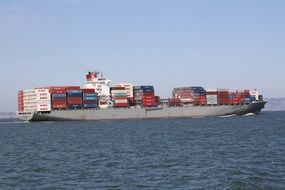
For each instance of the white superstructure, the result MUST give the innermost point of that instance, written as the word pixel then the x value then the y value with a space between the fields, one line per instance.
pixel 96 80
pixel 255 94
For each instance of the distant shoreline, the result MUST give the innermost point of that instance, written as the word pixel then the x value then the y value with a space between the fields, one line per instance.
pixel 7 115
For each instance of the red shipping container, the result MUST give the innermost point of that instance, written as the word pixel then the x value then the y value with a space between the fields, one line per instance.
pixel 121 104
pixel 58 102
pixel 175 102
pixel 57 106
pixel 72 87
pixel 118 88
pixel 149 101
pixel 74 101
pixel 90 102
pixel 235 101
pixel 59 99
pixel 88 91
pixel 58 91
pixel 148 97
pixel 223 101
pixel 56 88
pixel 148 94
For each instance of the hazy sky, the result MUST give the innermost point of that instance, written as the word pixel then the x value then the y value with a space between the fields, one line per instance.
pixel 167 43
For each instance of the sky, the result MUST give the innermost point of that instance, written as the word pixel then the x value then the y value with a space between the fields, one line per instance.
pixel 236 44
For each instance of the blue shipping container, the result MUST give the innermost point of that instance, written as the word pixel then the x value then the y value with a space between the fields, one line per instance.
pixel 90 106
pixel 75 106
pixel 90 95
pixel 90 98
pixel 143 88
pixel 59 99
pixel 75 95
pixel 58 95
pixel 75 92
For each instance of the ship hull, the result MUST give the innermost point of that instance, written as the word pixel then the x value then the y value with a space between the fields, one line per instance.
pixel 141 113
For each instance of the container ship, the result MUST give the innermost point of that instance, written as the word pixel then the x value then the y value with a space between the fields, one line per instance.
pixel 98 100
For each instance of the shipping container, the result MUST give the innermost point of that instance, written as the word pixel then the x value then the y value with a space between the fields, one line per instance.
pixel 75 106
pixel 121 100
pixel 119 94
pixel 58 91
pixel 74 101
pixel 144 88
pixel 59 106
pixel 69 88
pixel 175 102
pixel 90 95
pixel 90 98
pixel 88 91
pixel 121 105
pixel 74 92
pixel 212 99
pixel 90 101
pixel 90 106
pixel 117 88
pixel 58 95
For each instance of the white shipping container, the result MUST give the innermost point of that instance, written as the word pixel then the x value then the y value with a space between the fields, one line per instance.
pixel 222 89
pixel 43 108
pixel 43 102
pixel 121 101
pixel 212 96
pixel 212 99
pixel 43 98
pixel 44 90
pixel 43 94
pixel 29 103
pixel 118 91
pixel 186 99
pixel 29 91
pixel 212 90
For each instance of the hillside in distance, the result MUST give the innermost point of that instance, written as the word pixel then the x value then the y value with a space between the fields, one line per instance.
pixel 275 104
pixel 7 115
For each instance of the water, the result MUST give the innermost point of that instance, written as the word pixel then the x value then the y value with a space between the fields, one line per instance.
pixel 210 153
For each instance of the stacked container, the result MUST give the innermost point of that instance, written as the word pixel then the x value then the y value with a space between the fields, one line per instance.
pixel 90 99
pixel 183 93
pixel 129 90
pixel 74 99
pixel 138 95
pixel 58 98
pixel 195 94
pixel 175 102
pixel 43 98
pixel 244 96
pixel 157 100
pixel 212 96
pixel 30 100
pixel 120 97
pixel 36 100
pixel 223 97
pixel 20 101
pixel 198 95
pixel 144 96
